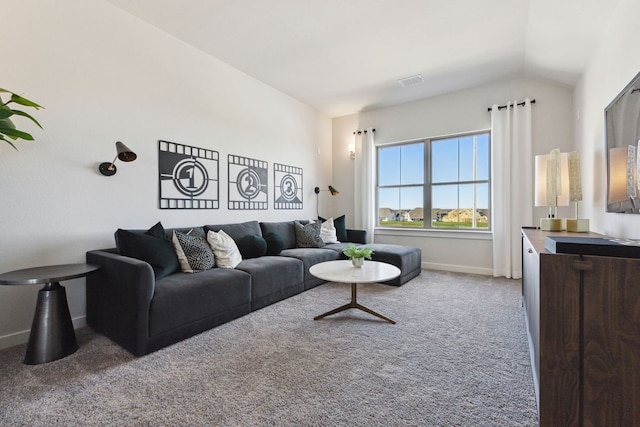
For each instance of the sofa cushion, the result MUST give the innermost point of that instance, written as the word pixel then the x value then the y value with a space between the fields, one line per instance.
pixel 184 298
pixel 194 253
pixel 308 236
pixel 310 257
pixel 237 230
pixel 252 246
pixel 284 229
pixel 272 274
pixel 224 248
pixel 341 227
pixel 151 247
pixel 275 244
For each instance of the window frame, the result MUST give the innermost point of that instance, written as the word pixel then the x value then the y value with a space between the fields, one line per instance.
pixel 428 184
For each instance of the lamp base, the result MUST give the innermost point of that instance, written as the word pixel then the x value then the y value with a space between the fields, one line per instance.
pixel 550 224
pixel 577 225
pixel 107 169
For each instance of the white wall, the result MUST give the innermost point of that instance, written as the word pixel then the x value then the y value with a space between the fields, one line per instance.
pixel 614 63
pixel 104 76
pixel 448 114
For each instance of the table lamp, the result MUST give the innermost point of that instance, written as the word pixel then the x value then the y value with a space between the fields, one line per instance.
pixel 549 188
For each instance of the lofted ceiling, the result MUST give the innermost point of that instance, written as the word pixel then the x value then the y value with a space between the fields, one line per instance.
pixel 346 56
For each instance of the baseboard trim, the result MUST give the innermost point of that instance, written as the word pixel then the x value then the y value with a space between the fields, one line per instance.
pixel 21 337
pixel 457 268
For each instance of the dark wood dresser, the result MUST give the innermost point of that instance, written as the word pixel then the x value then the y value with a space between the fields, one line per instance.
pixel 583 322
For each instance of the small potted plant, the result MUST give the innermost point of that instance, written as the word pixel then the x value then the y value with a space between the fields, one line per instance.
pixel 357 255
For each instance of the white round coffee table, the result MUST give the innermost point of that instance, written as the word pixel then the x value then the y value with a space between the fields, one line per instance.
pixel 345 272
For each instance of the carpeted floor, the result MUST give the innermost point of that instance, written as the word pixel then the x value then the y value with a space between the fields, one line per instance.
pixel 458 356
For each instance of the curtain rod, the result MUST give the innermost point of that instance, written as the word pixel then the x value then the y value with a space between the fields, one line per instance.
pixel 361 131
pixel 500 107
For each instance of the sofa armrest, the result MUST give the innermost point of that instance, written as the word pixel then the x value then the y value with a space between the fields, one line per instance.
pixel 118 298
pixel 357 236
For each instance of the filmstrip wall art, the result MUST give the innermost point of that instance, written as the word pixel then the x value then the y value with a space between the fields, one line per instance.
pixel 287 192
pixel 248 183
pixel 189 177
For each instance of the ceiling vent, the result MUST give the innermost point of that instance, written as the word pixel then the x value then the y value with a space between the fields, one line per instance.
pixel 410 81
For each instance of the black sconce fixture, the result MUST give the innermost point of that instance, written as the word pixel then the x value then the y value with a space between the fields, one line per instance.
pixel 124 154
pixel 332 190
pixel 317 190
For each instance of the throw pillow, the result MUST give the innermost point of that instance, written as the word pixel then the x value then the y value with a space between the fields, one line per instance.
pixel 193 252
pixel 328 232
pixel 158 252
pixel 252 246
pixel 224 248
pixel 308 236
pixel 341 227
pixel 275 243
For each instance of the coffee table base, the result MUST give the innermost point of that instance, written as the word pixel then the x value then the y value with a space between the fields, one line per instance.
pixel 354 304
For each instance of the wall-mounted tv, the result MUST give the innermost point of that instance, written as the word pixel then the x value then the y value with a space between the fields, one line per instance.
pixel 622 140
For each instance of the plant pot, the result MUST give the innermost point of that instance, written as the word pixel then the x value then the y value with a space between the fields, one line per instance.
pixel 357 262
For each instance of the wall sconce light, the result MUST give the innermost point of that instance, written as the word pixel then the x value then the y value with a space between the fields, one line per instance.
pixel 551 187
pixel 123 153
pixel 352 151
pixel 317 190
pixel 330 189
pixel 622 175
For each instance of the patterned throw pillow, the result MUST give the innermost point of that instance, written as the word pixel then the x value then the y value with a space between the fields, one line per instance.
pixel 224 248
pixel 194 254
pixel 308 236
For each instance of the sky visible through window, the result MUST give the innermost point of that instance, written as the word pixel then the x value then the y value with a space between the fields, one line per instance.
pixel 452 162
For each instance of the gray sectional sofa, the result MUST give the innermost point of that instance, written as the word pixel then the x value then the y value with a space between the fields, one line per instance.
pixel 142 309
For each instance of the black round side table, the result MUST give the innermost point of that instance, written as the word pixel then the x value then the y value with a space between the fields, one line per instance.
pixel 52 336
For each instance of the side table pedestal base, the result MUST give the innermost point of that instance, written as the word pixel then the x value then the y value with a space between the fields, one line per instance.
pixel 52 336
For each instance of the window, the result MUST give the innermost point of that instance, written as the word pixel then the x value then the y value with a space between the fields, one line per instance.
pixel 435 184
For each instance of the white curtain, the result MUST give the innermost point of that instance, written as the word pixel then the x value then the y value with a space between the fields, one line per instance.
pixel 364 183
pixel 512 185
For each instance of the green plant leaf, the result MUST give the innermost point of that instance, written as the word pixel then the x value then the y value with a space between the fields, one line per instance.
pixel 23 114
pixel 8 142
pixel 24 101
pixel 5 112
pixel 15 134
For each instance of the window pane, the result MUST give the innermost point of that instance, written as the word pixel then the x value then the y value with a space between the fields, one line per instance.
pixel 389 166
pixel 444 160
pixel 444 199
pixel 482 205
pixel 389 198
pixel 466 158
pixel 412 164
pixel 482 171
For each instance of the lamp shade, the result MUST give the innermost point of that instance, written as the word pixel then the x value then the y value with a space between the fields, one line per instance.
pixel 551 180
pixel 124 153
pixel 622 174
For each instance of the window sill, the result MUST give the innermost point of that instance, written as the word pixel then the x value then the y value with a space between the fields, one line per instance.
pixel 438 234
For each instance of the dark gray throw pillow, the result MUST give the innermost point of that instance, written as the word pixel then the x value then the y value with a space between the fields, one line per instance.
pixel 308 236
pixel 252 246
pixel 149 247
pixel 275 243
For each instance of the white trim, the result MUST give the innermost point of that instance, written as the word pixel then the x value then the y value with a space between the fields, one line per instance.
pixel 18 338
pixel 457 268
pixel 430 138
pixel 437 234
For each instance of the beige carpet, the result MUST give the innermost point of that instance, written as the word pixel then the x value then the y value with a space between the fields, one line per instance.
pixel 458 356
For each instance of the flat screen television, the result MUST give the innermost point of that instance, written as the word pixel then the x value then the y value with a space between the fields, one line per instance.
pixel 622 140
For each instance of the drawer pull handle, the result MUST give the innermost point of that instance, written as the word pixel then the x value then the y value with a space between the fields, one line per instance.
pixel 530 250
